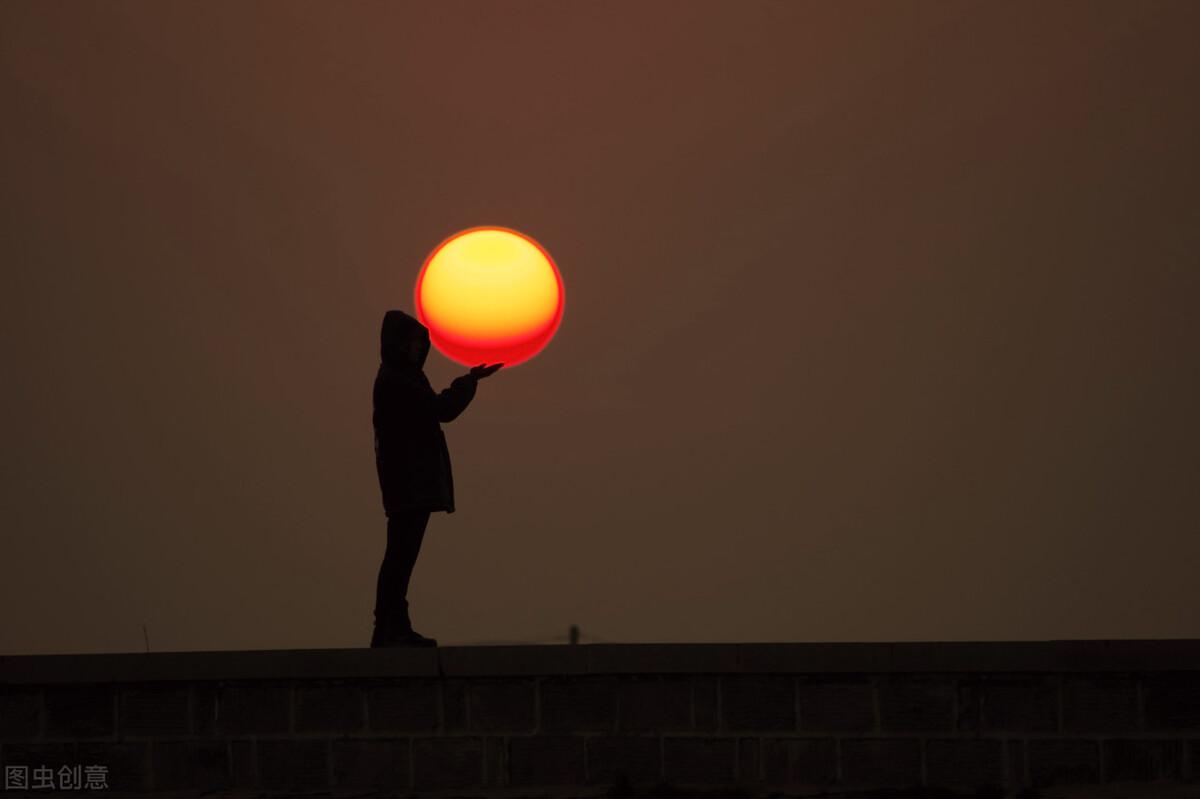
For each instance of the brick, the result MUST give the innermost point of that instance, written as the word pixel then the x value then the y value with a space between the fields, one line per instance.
pixel 495 761
pixel 545 760
pixel 1019 704
pixel 799 761
pixel 964 762
pixel 573 704
pixel 408 705
pixel 501 705
pixel 1172 701
pixel 636 758
pixel 916 704
pixel 884 762
pixel 294 764
pixel 1017 775
pixel 371 763
pixel 1063 761
pixel 153 710
pixel 699 760
pixel 20 714
pixel 758 702
pixel 776 760
pixel 50 754
pixel 748 769
pixel 1099 704
pixel 705 693
pixel 128 762
pixel 243 764
pixel 831 705
pixel 447 763
pixel 79 711
pixel 655 704
pixel 328 707
pixel 204 709
pixel 199 765
pixel 454 705
pixel 253 707
pixel 1142 760
pixel 968 707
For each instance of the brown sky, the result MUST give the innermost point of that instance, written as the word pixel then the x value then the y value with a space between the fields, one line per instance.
pixel 880 319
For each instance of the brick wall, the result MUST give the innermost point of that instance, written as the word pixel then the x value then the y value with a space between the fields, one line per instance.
pixel 968 717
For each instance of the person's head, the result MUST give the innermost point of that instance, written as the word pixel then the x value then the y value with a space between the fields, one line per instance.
pixel 404 341
pixel 419 347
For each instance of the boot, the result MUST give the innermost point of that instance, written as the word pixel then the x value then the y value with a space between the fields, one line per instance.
pixel 413 638
pixel 382 638
pixel 380 634
pixel 385 628
pixel 396 630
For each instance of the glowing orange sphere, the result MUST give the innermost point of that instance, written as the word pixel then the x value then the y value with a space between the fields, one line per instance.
pixel 489 295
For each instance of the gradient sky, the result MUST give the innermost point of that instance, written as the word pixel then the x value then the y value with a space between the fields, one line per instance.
pixel 880 319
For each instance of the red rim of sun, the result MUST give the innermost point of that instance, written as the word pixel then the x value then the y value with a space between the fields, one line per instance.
pixel 512 349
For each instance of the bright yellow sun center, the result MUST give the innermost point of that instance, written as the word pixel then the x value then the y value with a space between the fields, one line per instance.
pixel 489 284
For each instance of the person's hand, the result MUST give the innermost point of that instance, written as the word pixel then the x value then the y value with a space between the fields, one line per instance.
pixel 483 370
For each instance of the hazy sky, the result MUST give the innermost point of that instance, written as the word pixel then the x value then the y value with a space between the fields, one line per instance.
pixel 880 319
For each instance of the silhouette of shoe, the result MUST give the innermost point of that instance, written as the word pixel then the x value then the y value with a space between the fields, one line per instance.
pixel 412 638
pixel 395 629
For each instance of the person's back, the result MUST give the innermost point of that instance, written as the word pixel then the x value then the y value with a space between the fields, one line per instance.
pixel 412 462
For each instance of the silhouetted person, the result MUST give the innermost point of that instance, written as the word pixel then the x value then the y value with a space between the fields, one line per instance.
pixel 413 463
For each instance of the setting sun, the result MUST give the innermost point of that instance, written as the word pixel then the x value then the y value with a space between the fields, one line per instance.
pixel 489 295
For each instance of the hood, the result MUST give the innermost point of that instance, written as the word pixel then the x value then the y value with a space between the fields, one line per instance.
pixel 396 337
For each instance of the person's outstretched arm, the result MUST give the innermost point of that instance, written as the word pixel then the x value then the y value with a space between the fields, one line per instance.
pixel 454 399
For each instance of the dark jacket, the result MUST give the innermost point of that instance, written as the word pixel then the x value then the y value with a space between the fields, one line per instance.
pixel 411 456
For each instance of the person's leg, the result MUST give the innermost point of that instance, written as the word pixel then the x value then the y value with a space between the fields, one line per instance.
pixel 406 540
pixel 405 531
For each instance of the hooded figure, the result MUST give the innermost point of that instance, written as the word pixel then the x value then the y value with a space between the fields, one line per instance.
pixel 413 463
pixel 411 455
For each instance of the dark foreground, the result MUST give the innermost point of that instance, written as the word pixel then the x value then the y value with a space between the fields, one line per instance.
pixel 1021 719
